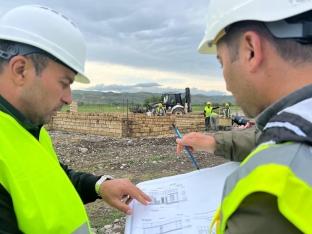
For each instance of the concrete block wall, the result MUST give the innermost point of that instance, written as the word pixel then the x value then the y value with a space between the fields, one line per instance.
pixel 73 107
pixel 86 123
pixel 138 125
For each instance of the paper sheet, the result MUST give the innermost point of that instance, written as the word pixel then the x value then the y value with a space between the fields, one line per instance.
pixel 181 204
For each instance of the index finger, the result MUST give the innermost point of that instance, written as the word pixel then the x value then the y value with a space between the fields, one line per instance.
pixel 139 195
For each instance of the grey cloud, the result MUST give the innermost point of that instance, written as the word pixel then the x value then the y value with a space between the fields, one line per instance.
pixel 159 34
pixel 152 89
pixel 114 87
pixel 144 85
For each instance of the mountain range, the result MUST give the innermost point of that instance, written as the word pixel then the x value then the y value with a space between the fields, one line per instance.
pixel 97 97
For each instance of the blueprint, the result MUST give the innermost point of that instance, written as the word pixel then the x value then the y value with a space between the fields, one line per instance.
pixel 180 204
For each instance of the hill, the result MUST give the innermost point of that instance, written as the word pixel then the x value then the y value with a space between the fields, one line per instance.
pixel 96 97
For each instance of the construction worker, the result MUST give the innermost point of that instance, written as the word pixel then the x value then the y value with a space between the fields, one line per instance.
pixel 41 54
pixel 207 112
pixel 227 111
pixel 160 110
pixel 266 62
pixel 214 121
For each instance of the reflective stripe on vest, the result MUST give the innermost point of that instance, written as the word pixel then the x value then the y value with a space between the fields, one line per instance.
pixel 208 111
pixel 44 199
pixel 278 170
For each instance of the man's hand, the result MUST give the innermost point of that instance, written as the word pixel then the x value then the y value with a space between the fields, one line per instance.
pixel 197 141
pixel 113 191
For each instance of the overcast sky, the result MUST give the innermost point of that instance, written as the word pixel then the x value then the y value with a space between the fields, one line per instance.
pixel 141 45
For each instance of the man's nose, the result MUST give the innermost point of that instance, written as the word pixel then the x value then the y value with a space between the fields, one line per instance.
pixel 67 97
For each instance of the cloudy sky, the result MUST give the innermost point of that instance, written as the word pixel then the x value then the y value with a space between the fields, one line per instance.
pixel 141 45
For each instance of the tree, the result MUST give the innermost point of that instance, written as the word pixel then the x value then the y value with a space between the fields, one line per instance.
pixel 80 103
pixel 146 101
pixel 155 98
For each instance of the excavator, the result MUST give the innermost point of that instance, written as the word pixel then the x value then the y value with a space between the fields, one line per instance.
pixel 172 103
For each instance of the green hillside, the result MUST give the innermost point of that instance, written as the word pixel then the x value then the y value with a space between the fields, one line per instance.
pixel 96 97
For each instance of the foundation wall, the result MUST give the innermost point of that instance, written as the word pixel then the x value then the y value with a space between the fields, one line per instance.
pixel 138 125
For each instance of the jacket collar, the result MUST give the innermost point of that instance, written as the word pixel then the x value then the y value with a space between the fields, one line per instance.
pixel 289 119
pixel 287 101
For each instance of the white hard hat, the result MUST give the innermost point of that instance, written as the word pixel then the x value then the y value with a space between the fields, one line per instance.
pixel 223 13
pixel 48 30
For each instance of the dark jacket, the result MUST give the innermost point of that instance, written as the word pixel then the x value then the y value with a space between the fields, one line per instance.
pixel 83 182
pixel 235 145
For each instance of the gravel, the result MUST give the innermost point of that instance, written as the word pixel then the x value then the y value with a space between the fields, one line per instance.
pixel 138 159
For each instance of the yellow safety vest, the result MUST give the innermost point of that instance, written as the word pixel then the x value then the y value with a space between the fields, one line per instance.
pixel 284 175
pixel 44 199
pixel 208 111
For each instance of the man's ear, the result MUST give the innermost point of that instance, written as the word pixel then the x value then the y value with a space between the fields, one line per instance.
pixel 17 68
pixel 252 50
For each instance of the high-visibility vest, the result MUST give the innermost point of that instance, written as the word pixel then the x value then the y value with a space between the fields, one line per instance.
pixel 286 175
pixel 208 111
pixel 227 113
pixel 44 199
pixel 160 108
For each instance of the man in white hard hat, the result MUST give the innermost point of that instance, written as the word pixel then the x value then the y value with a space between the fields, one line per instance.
pixel 42 53
pixel 265 48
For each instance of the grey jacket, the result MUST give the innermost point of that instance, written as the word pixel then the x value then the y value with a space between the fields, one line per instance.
pixel 235 145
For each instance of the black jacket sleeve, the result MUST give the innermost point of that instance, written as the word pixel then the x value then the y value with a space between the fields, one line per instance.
pixel 8 221
pixel 84 184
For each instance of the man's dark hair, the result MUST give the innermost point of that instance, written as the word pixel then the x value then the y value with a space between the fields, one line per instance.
pixel 40 61
pixel 288 49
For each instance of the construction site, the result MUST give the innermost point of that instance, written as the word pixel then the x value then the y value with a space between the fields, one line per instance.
pixel 124 145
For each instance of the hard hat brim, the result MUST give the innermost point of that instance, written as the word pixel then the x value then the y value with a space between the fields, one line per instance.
pixel 82 79
pixel 203 47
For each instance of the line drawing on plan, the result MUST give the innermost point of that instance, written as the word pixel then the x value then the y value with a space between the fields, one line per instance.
pixel 203 230
pixel 164 197
pixel 166 226
pixel 167 197
pixel 207 217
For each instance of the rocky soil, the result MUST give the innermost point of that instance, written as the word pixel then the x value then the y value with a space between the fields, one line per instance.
pixel 138 159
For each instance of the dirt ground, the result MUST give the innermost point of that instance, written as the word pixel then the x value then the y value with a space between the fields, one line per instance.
pixel 138 159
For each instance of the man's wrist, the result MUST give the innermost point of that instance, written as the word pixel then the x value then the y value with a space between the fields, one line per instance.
pixel 100 181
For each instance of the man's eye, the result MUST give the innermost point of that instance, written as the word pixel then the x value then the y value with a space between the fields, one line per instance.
pixel 65 85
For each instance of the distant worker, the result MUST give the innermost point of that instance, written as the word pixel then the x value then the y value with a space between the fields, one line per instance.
pixel 160 111
pixel 213 121
pixel 207 113
pixel 227 111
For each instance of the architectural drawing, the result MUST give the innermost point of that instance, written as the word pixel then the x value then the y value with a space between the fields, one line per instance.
pixel 203 230
pixel 163 227
pixel 164 197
